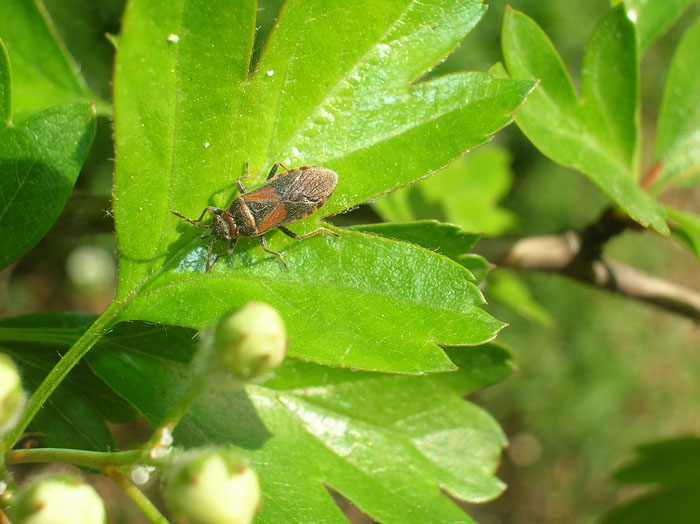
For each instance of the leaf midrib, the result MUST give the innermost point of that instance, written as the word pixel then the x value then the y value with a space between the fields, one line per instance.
pixel 267 280
pixel 136 293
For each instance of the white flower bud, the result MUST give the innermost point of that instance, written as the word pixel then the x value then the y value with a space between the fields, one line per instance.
pixel 60 499
pixel 213 486
pixel 11 394
pixel 252 341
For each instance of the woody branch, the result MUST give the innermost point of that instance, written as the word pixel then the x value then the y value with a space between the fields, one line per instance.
pixel 578 255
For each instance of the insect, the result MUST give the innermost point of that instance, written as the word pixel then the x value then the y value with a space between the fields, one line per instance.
pixel 284 198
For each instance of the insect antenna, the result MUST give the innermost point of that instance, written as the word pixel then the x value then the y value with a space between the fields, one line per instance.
pixel 193 222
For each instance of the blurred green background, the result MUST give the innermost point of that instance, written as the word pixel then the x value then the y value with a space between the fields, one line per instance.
pixel 598 373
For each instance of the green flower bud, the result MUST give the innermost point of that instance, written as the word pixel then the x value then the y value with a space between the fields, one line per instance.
pixel 252 341
pixel 213 486
pixel 60 499
pixel 11 394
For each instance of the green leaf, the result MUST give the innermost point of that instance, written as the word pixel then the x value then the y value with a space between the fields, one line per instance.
pixel 465 193
pixel 352 317
pixel 40 159
pixel 447 239
pixel 44 74
pixel 667 462
pixel 597 132
pixel 652 17
pixel 506 288
pixel 83 25
pixel 336 86
pixel 685 228
pixel 402 436
pixel 680 503
pixel 477 265
pixel 678 131
pixel 75 415
pixel 389 443
pixel 671 466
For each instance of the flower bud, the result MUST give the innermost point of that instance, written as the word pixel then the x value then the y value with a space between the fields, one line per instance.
pixel 213 486
pixel 252 341
pixel 60 499
pixel 91 269
pixel 11 394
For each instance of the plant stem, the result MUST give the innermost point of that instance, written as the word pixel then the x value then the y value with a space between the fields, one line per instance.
pixel 189 396
pixel 59 372
pixel 192 392
pixel 578 255
pixel 557 254
pixel 87 459
pixel 135 494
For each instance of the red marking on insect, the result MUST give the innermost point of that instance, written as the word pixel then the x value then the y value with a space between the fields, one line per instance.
pixel 276 216
pixel 262 194
pixel 284 198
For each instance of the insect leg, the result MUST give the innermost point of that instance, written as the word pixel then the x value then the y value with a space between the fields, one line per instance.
pixel 209 263
pixel 231 247
pixel 263 245
pixel 272 172
pixel 307 235
pixel 241 187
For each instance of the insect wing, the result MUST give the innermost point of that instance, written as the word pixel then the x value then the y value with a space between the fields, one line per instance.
pixel 265 205
pixel 290 196
pixel 311 188
pixel 310 185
